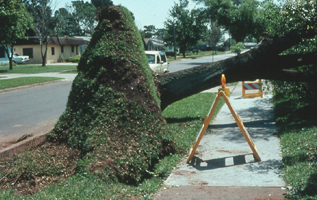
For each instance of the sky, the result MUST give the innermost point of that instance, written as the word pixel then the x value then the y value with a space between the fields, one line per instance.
pixel 146 12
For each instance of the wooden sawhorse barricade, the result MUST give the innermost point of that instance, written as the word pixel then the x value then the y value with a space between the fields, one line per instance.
pixel 256 85
pixel 222 93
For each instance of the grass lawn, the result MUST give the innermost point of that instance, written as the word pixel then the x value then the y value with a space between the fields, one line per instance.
pixel 35 69
pixel 16 82
pixel 184 119
pixel 297 127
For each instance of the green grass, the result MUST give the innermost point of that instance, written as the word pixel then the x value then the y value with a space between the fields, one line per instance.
pixel 35 69
pixel 297 127
pixel 16 82
pixel 184 118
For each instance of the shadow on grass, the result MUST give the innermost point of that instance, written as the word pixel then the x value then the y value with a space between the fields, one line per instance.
pixel 311 186
pixel 3 71
pixel 182 120
pixel 296 114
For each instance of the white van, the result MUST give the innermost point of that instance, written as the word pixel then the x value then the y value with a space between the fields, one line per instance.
pixel 157 61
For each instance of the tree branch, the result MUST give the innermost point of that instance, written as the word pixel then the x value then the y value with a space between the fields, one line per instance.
pixel 263 62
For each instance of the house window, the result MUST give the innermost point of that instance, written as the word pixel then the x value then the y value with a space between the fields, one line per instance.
pixel 76 50
pixel 72 48
pixel 62 49
pixel 53 51
pixel 28 52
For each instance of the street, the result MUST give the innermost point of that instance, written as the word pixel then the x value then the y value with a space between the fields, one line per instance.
pixel 35 110
pixel 32 110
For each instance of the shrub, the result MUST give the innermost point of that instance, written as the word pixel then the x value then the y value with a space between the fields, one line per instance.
pixel 170 53
pixel 73 59
pixel 237 48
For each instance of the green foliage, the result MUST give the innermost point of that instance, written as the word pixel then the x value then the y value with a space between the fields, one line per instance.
pixel 188 24
pixel 73 59
pixel 185 123
pixel 170 53
pixel 237 48
pixel 16 82
pixel 213 34
pixel 83 17
pixel 240 18
pixel 295 105
pixel 113 115
pixel 14 22
pixel 43 23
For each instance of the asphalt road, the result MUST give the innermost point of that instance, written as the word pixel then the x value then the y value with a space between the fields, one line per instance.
pixel 189 63
pixel 35 110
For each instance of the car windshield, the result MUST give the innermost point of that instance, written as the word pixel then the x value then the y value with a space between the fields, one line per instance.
pixel 163 57
pixel 151 58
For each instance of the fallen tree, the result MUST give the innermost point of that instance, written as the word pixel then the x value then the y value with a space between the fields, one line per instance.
pixel 112 126
pixel 264 61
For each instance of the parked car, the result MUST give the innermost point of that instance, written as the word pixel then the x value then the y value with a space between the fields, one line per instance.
pixel 20 59
pixel 157 61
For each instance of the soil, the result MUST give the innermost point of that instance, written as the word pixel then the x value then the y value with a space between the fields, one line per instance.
pixel 4 145
pixel 25 181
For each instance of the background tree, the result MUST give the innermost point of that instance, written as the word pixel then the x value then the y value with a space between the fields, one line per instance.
pixel 189 26
pixel 239 17
pixel 213 35
pixel 65 24
pixel 84 15
pixel 14 21
pixel 43 23
pixel 149 31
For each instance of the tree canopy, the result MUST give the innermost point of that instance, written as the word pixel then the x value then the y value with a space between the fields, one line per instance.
pixel 188 24
pixel 14 21
pixel 43 23
pixel 240 17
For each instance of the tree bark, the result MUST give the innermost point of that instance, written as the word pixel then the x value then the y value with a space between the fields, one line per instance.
pixel 262 62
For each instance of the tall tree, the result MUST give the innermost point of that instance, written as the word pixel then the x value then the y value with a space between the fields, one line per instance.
pixel 213 34
pixel 65 23
pixel 84 14
pixel 239 17
pixel 14 21
pixel 149 31
pixel 43 23
pixel 188 24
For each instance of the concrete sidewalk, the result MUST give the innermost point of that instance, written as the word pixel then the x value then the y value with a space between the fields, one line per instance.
pixel 224 161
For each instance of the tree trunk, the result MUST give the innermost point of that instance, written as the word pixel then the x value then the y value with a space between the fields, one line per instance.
pixel 43 55
pixel 264 62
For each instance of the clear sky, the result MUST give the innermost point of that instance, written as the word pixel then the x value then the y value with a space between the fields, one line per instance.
pixel 146 12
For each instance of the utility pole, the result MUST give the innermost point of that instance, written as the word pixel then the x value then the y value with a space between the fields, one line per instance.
pixel 174 40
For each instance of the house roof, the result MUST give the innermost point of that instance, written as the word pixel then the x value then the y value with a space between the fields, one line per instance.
pixel 155 42
pixel 59 41
pixel 67 41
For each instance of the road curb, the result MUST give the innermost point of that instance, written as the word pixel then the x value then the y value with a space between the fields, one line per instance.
pixel 22 146
pixel 29 86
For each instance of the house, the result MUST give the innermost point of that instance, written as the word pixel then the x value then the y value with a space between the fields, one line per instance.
pixel 57 49
pixel 82 47
pixel 154 44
